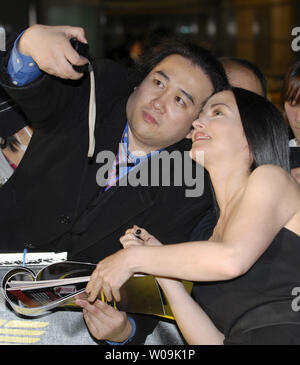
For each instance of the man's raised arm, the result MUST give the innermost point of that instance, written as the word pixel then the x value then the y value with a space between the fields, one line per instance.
pixel 51 50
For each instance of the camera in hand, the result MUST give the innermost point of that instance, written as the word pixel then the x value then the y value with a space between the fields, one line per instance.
pixel 83 50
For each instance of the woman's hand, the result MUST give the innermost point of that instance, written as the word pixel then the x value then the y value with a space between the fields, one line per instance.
pixel 131 239
pixel 109 275
pixel 112 272
pixel 137 236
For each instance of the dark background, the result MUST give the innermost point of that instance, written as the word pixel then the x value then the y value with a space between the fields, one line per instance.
pixel 258 30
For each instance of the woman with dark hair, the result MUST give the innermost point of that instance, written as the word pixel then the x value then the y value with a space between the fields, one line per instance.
pixel 248 271
pixel 15 136
pixel 291 103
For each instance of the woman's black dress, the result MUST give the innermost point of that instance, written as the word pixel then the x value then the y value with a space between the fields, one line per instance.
pixel 263 305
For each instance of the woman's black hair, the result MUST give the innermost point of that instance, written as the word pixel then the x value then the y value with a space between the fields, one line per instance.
pixel 265 129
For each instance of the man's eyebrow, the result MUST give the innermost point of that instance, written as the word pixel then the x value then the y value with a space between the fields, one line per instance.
pixel 162 73
pixel 189 96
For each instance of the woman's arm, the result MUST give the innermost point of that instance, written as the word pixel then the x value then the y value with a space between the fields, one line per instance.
pixel 271 200
pixel 194 324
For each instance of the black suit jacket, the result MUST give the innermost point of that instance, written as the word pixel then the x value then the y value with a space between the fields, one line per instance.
pixel 47 200
pixel 56 182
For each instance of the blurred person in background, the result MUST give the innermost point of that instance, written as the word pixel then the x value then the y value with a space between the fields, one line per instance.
pixel 291 104
pixel 245 74
pixel 15 136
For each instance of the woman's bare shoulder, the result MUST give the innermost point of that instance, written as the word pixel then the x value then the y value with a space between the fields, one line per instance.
pixel 271 173
pixel 274 181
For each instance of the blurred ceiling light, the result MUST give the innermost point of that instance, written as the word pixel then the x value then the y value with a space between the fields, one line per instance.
pixel 255 28
pixel 188 29
pixel 32 14
pixel 211 28
pixel 117 29
pixel 103 19
pixel 231 28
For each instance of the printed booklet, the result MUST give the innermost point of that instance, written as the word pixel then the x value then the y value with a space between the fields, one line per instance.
pixel 56 285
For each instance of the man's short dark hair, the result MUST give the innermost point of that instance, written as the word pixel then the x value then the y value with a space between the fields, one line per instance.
pixel 199 56
pixel 251 67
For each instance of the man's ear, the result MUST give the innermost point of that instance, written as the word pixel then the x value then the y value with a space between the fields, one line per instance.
pixel 189 135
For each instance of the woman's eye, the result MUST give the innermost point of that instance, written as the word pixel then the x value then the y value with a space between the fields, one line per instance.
pixel 217 112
